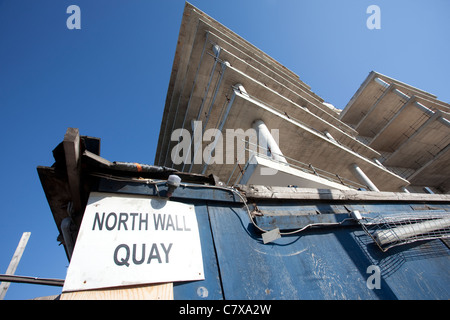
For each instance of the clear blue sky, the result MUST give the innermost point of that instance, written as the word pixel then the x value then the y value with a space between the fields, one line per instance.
pixel 110 79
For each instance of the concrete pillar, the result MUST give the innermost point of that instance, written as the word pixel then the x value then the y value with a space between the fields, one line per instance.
pixel 266 140
pixel 378 162
pixel 241 89
pixel 329 136
pixel 362 177
pixel 381 82
pixel 428 190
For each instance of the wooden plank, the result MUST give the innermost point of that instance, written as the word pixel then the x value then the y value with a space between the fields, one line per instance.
pixel 266 192
pixel 72 153
pixel 14 262
pixel 159 291
pixel 56 191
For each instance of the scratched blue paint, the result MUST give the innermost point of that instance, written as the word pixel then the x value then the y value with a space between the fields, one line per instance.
pixel 318 263
pixel 312 265
pixel 209 288
pixel 323 263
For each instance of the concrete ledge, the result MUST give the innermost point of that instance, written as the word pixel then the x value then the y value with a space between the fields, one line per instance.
pixel 279 174
pixel 266 192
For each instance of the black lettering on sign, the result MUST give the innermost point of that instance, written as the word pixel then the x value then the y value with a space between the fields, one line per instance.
pixel 135 261
pixel 166 251
pixel 133 215
pixel 154 254
pixel 99 222
pixel 123 218
pixel 122 221
pixel 108 224
pixel 141 221
pixel 164 222
pixel 124 258
pixel 184 223
pixel 138 254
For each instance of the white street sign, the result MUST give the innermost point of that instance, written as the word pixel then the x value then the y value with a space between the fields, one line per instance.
pixel 129 240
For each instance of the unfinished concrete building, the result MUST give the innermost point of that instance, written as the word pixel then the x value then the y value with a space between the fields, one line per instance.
pixel 265 174
pixel 409 127
pixel 221 86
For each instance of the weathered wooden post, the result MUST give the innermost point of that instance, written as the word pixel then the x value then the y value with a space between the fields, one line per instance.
pixel 14 262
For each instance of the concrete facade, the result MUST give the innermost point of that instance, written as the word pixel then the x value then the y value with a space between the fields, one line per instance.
pixel 222 83
pixel 408 126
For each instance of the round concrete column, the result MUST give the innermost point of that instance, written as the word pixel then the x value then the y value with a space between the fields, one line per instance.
pixel 266 140
pixel 329 136
pixel 362 177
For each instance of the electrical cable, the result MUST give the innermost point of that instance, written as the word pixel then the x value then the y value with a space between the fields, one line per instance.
pixel 230 189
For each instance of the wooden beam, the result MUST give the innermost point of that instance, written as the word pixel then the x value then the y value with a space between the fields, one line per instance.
pixel 14 262
pixel 273 192
pixel 159 291
pixel 72 151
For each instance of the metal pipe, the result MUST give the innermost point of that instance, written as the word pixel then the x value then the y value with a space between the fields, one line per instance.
pixel 225 64
pixel 406 232
pixel 139 167
pixel 361 176
pixel 219 129
pixel 189 101
pixel 216 50
pixel 32 280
